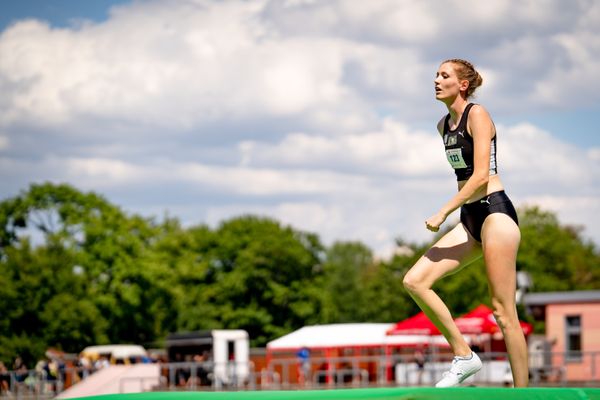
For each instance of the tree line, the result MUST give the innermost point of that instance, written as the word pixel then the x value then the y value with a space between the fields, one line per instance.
pixel 76 270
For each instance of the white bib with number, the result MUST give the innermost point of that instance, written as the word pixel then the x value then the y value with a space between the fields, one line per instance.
pixel 455 158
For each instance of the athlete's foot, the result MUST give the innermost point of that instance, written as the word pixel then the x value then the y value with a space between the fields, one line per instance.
pixel 462 368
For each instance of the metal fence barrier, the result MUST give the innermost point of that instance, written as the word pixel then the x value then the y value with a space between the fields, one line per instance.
pixel 558 369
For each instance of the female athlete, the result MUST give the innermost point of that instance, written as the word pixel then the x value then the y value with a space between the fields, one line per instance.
pixel 488 226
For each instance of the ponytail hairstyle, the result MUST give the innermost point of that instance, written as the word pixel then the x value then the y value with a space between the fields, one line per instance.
pixel 466 71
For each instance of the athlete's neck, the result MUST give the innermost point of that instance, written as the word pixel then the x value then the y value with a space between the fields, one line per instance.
pixel 456 108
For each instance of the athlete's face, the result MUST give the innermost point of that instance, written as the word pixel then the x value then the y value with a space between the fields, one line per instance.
pixel 447 83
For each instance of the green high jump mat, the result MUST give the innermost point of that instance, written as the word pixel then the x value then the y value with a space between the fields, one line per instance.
pixel 464 393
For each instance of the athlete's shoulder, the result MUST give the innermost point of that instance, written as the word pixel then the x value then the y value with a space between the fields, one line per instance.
pixel 478 111
pixel 480 120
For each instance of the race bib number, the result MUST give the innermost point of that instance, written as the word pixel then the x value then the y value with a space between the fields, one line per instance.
pixel 456 159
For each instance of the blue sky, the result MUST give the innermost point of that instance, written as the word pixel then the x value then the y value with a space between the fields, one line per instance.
pixel 59 13
pixel 320 114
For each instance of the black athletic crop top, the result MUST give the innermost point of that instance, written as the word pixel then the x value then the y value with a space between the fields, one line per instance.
pixel 459 148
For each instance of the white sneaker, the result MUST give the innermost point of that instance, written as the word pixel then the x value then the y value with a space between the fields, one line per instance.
pixel 462 368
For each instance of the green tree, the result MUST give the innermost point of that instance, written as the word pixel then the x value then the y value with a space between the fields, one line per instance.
pixel 345 267
pixel 76 270
pixel 383 296
pixel 556 256
pixel 185 253
pixel 250 273
pixel 90 258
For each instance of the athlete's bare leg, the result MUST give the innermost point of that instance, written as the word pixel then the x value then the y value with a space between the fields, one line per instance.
pixel 500 237
pixel 453 251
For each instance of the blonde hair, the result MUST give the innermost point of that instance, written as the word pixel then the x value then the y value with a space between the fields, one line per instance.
pixel 466 71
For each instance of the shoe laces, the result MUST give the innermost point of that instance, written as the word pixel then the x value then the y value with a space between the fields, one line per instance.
pixel 452 372
pixel 453 369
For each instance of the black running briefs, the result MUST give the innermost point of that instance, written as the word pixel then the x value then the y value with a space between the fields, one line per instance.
pixel 473 215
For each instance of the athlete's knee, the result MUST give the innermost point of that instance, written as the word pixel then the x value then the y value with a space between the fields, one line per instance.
pixel 413 282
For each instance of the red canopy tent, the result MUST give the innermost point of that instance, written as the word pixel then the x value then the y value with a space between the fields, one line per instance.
pixel 479 327
pixel 416 325
pixel 481 321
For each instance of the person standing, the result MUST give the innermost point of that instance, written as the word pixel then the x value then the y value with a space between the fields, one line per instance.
pixel 4 379
pixel 419 359
pixel 303 366
pixel 488 226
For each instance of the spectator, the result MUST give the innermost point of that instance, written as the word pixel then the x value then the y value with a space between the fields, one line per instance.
pixel 102 362
pixel 84 366
pixel 202 370
pixel 20 369
pixel 4 378
pixel 41 371
pixel 303 365
pixel 181 374
pixel 419 359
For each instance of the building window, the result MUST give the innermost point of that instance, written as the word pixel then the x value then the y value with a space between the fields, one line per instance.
pixel 573 337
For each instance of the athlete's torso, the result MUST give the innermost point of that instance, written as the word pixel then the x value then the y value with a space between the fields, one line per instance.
pixel 459 148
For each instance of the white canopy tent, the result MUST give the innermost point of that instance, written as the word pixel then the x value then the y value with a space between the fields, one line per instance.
pixel 349 335
pixel 333 340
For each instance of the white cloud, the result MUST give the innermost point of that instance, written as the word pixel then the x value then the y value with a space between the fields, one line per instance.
pixel 187 63
pixel 535 157
pixel 406 20
pixel 392 150
pixel 111 172
pixel 179 68
pixel 372 187
pixel 396 20
pixel 568 76
pixel 594 154
pixel 312 112
pixel 105 173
